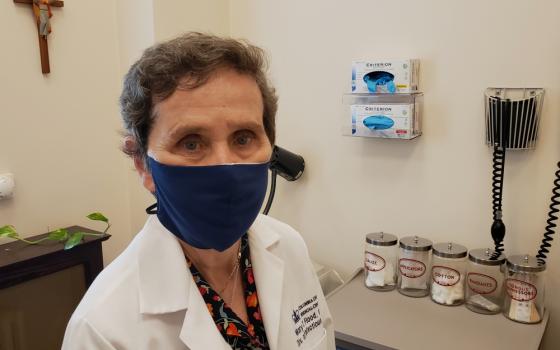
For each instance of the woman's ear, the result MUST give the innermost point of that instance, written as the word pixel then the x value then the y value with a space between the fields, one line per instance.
pixel 145 174
pixel 130 147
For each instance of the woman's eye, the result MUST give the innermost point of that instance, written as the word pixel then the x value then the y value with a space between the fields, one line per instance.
pixel 244 139
pixel 192 145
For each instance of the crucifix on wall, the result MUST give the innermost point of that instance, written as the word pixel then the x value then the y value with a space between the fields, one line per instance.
pixel 42 12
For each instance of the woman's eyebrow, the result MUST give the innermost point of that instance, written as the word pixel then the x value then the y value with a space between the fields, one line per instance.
pixel 179 131
pixel 251 125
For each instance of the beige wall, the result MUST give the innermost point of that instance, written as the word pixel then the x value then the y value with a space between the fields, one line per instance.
pixel 136 33
pixel 437 186
pixel 173 17
pixel 59 133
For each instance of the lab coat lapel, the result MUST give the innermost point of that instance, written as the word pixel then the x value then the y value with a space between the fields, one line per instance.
pixel 268 270
pixel 167 285
pixel 162 270
pixel 199 332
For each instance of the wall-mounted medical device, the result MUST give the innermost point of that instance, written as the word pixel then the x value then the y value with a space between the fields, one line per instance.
pixel 385 76
pixel 395 116
pixel 512 122
pixel 512 116
pixel 288 165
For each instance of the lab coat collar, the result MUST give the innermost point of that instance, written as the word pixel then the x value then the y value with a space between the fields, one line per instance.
pixel 167 285
pixel 268 270
pixel 163 273
pixel 199 332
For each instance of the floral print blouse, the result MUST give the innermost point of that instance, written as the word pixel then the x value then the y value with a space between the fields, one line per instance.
pixel 236 333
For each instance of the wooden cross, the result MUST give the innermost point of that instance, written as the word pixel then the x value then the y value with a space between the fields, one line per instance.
pixel 45 27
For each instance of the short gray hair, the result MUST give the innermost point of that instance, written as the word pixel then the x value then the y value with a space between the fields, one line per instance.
pixel 189 61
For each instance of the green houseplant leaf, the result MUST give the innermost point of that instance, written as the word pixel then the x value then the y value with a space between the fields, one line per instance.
pixel 74 240
pixel 98 217
pixel 59 235
pixel 8 231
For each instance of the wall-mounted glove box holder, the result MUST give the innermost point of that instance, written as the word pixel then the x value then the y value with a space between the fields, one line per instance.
pixel 394 116
pixel 385 76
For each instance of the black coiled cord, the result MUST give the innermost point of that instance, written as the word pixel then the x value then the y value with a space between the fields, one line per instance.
pixel 502 109
pixel 498 229
pixel 541 255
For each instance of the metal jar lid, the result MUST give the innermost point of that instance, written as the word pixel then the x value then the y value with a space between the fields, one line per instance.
pixel 483 256
pixel 381 239
pixel 450 250
pixel 415 243
pixel 524 263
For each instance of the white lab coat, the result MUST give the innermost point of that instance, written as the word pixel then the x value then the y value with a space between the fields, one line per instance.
pixel 146 299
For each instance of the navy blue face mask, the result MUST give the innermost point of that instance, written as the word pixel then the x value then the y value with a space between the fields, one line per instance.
pixel 209 207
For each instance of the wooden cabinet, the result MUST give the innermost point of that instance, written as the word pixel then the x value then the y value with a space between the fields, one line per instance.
pixel 40 286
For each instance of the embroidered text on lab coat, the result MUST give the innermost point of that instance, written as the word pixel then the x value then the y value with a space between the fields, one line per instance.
pixel 306 317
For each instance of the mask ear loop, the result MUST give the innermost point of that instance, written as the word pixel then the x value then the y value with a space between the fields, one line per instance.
pixel 152 209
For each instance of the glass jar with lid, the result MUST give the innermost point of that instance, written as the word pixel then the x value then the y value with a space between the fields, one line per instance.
pixel 380 261
pixel 414 264
pixel 524 286
pixel 485 279
pixel 448 273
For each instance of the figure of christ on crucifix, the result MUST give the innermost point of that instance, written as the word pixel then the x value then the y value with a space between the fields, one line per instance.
pixel 43 13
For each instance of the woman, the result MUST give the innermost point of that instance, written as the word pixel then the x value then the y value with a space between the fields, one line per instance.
pixel 207 271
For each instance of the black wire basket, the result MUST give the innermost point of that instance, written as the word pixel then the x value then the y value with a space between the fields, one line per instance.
pixel 512 117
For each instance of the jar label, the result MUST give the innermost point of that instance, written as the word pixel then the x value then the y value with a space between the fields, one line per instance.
pixel 374 262
pixel 481 284
pixel 520 290
pixel 445 276
pixel 412 268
